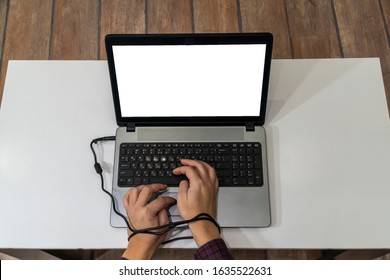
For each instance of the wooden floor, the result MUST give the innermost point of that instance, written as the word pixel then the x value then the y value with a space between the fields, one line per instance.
pixel 71 29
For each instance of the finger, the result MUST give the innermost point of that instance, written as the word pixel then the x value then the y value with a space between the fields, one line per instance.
pixel 216 182
pixel 207 172
pixel 160 203
pixel 183 190
pixel 203 168
pixel 147 192
pixel 163 217
pixel 211 173
pixel 126 198
pixel 133 195
pixel 130 197
pixel 191 173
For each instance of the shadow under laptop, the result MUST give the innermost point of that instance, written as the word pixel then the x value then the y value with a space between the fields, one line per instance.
pixel 293 84
pixel 273 156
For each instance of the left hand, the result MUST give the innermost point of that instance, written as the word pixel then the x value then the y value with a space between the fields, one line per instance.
pixel 144 214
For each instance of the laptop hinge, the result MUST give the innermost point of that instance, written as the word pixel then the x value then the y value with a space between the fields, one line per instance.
pixel 250 127
pixel 130 127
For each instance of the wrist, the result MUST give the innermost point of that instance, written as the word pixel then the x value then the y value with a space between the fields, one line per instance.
pixel 203 232
pixel 138 249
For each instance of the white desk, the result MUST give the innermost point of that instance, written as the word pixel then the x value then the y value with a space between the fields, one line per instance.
pixel 328 144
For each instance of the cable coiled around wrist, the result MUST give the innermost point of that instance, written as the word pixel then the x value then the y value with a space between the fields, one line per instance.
pixel 166 228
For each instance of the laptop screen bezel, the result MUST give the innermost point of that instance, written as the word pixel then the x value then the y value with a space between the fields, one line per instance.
pixel 188 39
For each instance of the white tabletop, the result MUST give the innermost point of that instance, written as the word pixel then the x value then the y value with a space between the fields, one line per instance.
pixel 328 134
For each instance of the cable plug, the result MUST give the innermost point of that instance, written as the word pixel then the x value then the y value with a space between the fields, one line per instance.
pixel 98 168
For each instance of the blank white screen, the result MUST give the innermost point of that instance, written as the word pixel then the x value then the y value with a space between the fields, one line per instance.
pixel 190 80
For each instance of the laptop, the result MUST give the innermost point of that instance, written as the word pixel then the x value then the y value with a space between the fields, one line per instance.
pixel 199 96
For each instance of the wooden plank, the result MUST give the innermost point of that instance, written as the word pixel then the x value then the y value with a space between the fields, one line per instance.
pixel 182 254
pixel 188 254
pixel 215 16
pixel 75 29
pixel 267 16
pixel 385 4
pixel 293 254
pixel 312 29
pixel 249 254
pixel 27 34
pixel 3 21
pixel 362 254
pixel 121 16
pixel 174 254
pixel 384 257
pixel 169 16
pixel 363 33
pixel 3 18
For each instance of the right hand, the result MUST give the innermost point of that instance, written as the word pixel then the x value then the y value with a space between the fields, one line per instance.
pixel 198 195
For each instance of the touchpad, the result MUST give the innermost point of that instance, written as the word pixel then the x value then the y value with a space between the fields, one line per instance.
pixel 173 210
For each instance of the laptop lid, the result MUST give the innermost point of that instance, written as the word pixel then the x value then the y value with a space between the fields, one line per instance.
pixel 189 79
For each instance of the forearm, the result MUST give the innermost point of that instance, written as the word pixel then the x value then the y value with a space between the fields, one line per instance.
pixel 203 232
pixel 138 250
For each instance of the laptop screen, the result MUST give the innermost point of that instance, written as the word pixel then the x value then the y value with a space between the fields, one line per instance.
pixel 189 80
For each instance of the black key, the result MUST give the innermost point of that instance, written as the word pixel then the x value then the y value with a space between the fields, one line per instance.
pixel 223 151
pixel 259 177
pixel 130 181
pixel 170 181
pixel 124 166
pixel 259 181
pixel 223 173
pixel 225 158
pixel 125 173
pixel 137 181
pixel 224 181
pixel 240 181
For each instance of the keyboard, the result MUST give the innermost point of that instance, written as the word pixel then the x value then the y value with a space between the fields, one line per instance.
pixel 236 164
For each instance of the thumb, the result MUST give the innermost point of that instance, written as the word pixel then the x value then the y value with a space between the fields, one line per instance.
pixel 183 190
pixel 160 203
pixel 126 198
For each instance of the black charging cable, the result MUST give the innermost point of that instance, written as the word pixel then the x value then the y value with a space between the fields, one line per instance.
pixel 99 170
pixel 158 230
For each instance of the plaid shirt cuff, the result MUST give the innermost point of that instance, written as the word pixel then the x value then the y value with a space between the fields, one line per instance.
pixel 213 250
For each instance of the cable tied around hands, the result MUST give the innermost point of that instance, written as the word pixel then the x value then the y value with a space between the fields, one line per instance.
pixel 166 228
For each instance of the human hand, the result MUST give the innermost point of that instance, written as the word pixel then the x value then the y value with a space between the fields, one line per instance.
pixel 198 195
pixel 144 214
